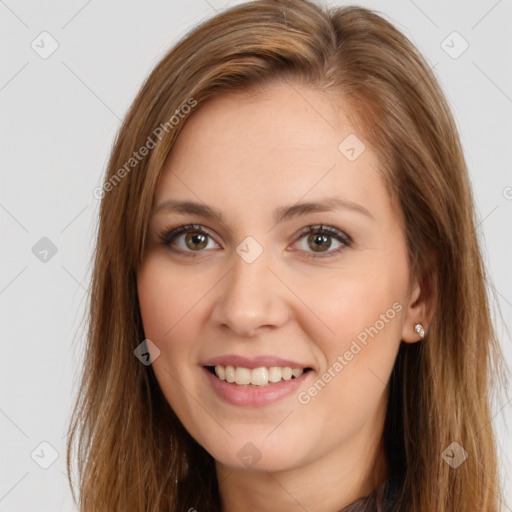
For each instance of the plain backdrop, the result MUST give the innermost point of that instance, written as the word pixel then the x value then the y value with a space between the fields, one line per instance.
pixel 69 71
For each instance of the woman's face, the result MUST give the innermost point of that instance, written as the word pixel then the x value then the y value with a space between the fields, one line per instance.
pixel 249 290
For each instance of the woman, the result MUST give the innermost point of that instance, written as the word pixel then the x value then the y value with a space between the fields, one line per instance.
pixel 289 308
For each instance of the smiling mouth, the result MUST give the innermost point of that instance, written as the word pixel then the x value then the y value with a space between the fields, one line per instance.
pixel 256 377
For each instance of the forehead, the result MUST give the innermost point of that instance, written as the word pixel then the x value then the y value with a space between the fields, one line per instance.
pixel 278 117
pixel 275 145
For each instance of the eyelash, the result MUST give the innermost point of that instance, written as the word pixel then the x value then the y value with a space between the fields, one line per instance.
pixel 168 235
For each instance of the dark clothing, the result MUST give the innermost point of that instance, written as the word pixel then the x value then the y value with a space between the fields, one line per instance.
pixel 382 499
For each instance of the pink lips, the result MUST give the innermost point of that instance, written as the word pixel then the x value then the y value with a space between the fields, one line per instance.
pixel 253 396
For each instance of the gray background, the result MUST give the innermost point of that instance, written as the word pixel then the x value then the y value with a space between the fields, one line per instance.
pixel 59 118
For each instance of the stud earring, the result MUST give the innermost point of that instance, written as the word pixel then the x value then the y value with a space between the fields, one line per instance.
pixel 420 330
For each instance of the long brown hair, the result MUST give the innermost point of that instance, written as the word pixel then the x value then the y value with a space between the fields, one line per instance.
pixel 133 453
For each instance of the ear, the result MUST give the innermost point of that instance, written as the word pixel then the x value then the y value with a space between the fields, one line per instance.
pixel 420 307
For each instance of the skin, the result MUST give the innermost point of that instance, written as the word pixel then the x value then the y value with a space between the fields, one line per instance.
pixel 237 155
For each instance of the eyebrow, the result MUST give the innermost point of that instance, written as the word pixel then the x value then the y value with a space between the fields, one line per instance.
pixel 280 214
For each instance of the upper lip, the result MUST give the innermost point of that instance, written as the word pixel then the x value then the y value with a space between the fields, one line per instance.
pixel 254 362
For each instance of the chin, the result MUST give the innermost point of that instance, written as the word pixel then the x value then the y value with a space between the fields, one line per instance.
pixel 257 456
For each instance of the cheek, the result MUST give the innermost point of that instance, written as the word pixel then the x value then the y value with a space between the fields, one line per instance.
pixel 358 358
pixel 365 313
pixel 169 317
pixel 169 310
pixel 167 300
pixel 349 306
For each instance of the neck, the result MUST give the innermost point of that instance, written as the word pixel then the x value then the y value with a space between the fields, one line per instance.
pixel 328 484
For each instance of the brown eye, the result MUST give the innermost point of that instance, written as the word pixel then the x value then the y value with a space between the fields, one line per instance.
pixel 196 241
pixel 186 240
pixel 319 242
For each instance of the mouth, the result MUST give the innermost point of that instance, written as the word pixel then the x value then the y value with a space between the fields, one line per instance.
pixel 255 377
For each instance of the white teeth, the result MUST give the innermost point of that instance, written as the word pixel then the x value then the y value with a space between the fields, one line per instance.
pixel 257 376
pixel 243 376
pixel 287 373
pixel 274 374
pixel 230 373
pixel 220 372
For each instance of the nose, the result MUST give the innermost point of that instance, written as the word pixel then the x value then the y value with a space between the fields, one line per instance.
pixel 250 298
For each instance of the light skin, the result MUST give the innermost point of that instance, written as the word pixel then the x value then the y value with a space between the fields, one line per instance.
pixel 246 154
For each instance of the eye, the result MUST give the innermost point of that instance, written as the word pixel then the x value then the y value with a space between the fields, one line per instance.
pixel 193 239
pixel 319 238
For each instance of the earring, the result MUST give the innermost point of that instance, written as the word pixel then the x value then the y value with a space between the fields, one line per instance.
pixel 420 330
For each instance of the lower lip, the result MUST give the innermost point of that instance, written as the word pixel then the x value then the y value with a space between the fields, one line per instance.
pixel 254 396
